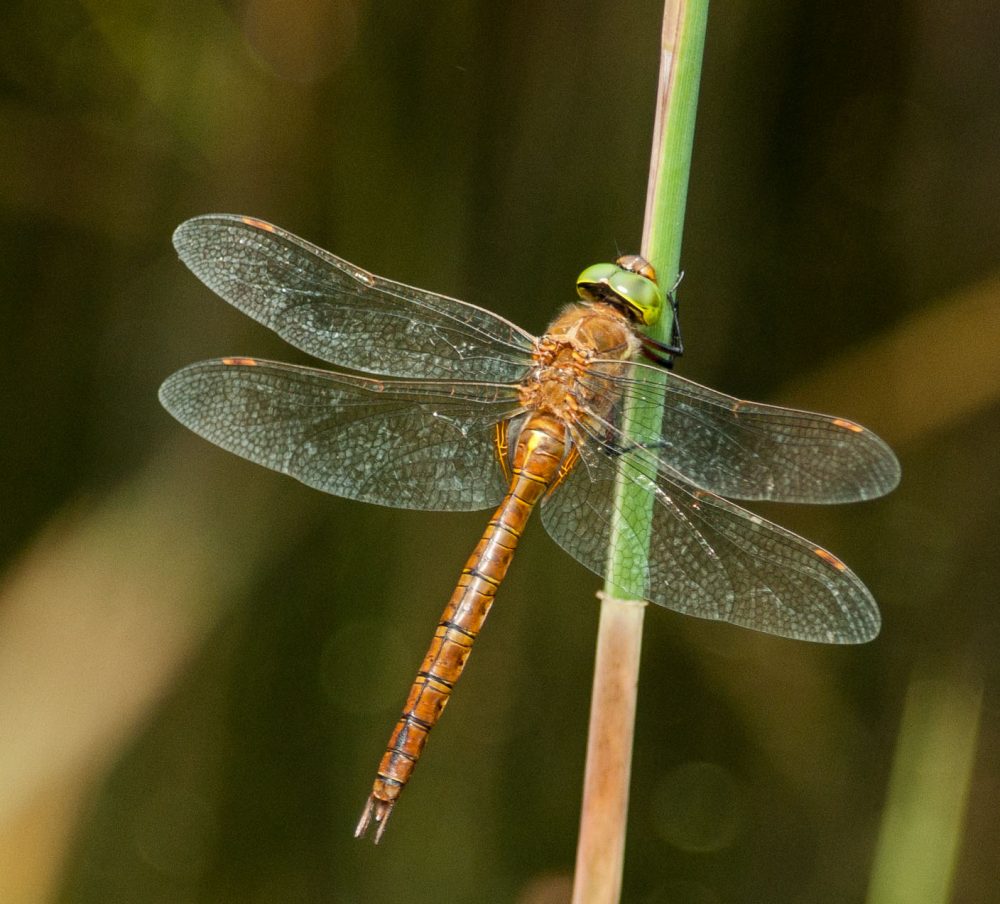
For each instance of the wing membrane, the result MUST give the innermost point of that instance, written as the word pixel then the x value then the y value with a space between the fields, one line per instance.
pixel 418 445
pixel 339 313
pixel 746 450
pixel 707 557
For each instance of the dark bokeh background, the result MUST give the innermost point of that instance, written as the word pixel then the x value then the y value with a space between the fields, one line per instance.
pixel 200 661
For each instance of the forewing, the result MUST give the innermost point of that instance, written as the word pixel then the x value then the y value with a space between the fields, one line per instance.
pixel 339 313
pixel 746 450
pixel 706 556
pixel 417 445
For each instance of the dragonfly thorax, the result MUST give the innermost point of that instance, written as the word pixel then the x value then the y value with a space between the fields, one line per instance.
pixel 581 336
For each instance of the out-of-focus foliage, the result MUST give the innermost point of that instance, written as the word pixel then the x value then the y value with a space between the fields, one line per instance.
pixel 200 661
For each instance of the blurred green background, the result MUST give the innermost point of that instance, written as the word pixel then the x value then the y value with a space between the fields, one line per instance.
pixel 200 661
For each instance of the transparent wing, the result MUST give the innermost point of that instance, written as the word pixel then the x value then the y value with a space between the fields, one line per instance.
pixel 746 450
pixel 418 445
pixel 706 556
pixel 339 313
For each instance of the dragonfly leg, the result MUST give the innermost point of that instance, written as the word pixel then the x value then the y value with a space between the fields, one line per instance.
pixel 676 339
pixel 663 353
pixel 613 450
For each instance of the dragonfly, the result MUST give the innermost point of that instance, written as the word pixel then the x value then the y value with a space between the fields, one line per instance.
pixel 451 407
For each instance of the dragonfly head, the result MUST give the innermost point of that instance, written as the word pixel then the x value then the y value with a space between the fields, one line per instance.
pixel 629 284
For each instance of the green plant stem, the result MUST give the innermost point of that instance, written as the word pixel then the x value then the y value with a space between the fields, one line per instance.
pixel 601 846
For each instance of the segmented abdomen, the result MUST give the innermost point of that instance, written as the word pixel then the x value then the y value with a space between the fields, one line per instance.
pixel 539 453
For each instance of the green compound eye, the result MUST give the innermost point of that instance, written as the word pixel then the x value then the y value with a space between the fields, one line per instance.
pixel 629 284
